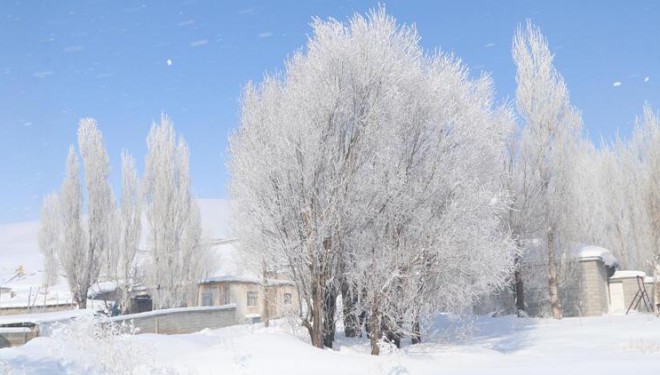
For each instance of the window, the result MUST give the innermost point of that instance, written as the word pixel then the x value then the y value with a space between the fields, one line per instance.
pixel 287 298
pixel 224 294
pixel 252 298
pixel 207 298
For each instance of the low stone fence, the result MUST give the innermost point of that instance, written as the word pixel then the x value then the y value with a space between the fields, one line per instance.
pixel 17 330
pixel 13 336
pixel 180 320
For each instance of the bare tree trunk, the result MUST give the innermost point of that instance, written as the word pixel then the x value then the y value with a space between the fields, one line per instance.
pixel 392 331
pixel 266 308
pixel 555 304
pixel 317 303
pixel 656 287
pixel 375 329
pixel 80 298
pixel 416 334
pixel 351 322
pixel 519 284
pixel 126 299
pixel 330 306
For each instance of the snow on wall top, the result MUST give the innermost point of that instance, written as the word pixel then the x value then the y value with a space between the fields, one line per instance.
pixel 535 252
pixel 598 252
pixel 627 274
pixel 37 318
pixel 245 279
pixel 147 314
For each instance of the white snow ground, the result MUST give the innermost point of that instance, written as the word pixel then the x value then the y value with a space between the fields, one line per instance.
pixel 502 345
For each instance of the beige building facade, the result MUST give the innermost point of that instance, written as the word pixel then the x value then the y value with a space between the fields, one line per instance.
pixel 251 297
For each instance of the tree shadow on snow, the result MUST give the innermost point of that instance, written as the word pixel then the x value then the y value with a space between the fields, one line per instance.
pixel 504 334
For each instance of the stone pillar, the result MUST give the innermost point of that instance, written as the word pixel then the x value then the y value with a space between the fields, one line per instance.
pixel 594 293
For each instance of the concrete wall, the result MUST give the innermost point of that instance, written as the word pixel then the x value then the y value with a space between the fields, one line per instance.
pixel 16 336
pixel 625 283
pixel 181 320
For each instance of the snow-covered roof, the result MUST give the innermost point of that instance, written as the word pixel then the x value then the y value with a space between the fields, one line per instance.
pixel 244 279
pixel 102 287
pixel 216 216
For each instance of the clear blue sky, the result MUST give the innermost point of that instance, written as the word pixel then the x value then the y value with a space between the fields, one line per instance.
pixel 63 60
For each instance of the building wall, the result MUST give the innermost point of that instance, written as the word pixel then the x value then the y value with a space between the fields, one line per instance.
pixel 239 294
pixel 236 292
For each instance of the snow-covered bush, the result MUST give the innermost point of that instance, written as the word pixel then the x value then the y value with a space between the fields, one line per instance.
pixel 94 345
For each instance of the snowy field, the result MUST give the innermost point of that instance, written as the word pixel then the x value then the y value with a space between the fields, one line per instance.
pixel 503 345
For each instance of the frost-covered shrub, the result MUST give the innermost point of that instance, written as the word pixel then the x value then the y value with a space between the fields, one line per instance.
pixel 93 345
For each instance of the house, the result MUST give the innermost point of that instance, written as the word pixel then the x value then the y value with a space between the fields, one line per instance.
pixel 233 284
pixel 251 296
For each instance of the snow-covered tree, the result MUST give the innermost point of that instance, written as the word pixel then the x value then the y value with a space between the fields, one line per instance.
pixel 85 242
pixel 50 236
pixel 524 186
pixel 72 255
pixel 551 128
pixel 650 124
pixel 101 215
pixel 131 225
pixel 178 256
pixel 374 170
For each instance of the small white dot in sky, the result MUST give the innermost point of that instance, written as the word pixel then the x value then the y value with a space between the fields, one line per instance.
pixel 647 78
pixel 616 84
pixel 169 62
